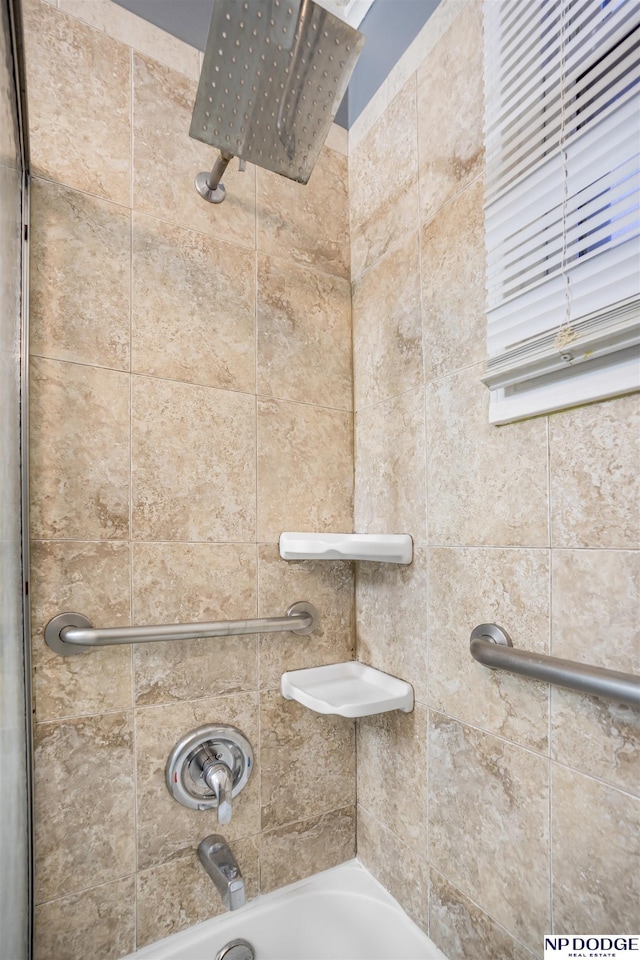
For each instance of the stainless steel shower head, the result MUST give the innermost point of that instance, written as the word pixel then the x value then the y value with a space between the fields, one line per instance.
pixel 273 76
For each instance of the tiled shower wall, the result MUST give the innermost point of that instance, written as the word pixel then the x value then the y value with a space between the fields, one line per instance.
pixel 498 810
pixel 191 398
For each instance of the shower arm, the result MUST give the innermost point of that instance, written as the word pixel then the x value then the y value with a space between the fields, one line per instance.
pixel 71 633
pixel 208 184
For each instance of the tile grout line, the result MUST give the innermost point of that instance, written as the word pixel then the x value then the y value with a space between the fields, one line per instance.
pixel 72 718
pixel 423 343
pixel 131 552
pixel 355 642
pixel 76 893
pixel 257 773
pixel 355 633
pixel 539 755
pixel 435 545
pixel 471 899
pixel 190 383
pixel 179 225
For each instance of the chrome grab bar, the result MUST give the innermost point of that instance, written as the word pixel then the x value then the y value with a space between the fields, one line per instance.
pixel 71 633
pixel 492 646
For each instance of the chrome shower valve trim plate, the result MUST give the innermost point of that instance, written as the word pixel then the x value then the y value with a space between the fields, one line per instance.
pixel 208 767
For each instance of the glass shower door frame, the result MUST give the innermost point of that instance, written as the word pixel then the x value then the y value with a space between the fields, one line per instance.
pixel 13 16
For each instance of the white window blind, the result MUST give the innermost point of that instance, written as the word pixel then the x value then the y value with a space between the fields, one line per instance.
pixel 562 192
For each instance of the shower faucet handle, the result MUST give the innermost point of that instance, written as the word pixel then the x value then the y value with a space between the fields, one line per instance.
pixel 219 778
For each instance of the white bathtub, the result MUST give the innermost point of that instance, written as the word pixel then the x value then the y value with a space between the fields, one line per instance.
pixel 341 914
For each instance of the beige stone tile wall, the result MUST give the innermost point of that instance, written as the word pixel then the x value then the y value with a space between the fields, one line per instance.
pixel 519 806
pixel 191 398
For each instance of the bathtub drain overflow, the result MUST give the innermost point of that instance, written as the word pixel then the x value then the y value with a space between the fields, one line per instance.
pixel 236 950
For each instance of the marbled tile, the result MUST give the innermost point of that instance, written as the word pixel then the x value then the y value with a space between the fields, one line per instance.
pixel 166 160
pixel 307 224
pixel 463 931
pixel 84 803
pixel 99 922
pixel 392 749
pixel 92 579
pixel 174 896
pixel 383 182
pixel 300 849
pixel 474 585
pixel 307 761
pixel 401 869
pixel 596 619
pixel 435 27
pixel 79 452
pixel 450 112
pixel 305 469
pixel 595 475
pixel 596 607
pixel 489 825
pixel 304 334
pixel 79 277
pixel 143 36
pixel 453 277
pixel 487 484
pixel 387 326
pixel 79 104
pixel 186 583
pixel 167 831
pixel 596 848
pixel 329 585
pixel 390 492
pixel 193 462
pixel 596 737
pixel 391 605
pixel 193 307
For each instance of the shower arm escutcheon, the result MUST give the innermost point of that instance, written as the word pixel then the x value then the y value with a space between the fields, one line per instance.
pixel 71 633
pixel 208 185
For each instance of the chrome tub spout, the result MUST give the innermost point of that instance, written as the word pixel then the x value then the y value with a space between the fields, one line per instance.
pixel 216 857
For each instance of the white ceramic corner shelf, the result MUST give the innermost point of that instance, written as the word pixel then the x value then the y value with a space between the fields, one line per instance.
pixel 349 689
pixel 382 547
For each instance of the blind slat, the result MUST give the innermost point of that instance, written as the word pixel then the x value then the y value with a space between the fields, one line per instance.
pixel 534 103
pixel 562 184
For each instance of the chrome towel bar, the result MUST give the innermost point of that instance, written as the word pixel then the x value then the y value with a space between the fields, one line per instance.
pixel 492 646
pixel 71 633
